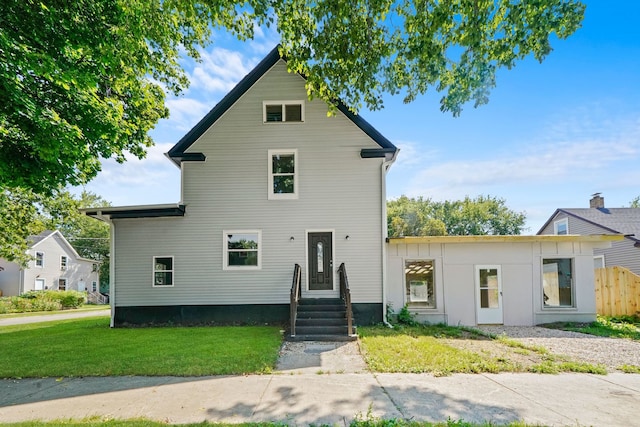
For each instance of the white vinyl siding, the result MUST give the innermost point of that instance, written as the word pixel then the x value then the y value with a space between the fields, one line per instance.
pixel 338 190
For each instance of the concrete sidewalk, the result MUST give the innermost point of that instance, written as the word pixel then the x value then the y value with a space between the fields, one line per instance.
pixel 303 399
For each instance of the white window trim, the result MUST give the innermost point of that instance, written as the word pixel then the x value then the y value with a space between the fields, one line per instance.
pixel 406 297
pixel 66 262
pixel 225 251
pixel 35 261
pixel 66 282
pixel 556 224
pixel 172 271
pixel 283 104
pixel 286 196
pixel 573 305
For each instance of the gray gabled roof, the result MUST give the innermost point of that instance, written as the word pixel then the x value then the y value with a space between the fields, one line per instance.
pixel 613 220
pixel 178 152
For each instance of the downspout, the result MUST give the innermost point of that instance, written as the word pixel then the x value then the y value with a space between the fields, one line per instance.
pixel 386 164
pixel 112 271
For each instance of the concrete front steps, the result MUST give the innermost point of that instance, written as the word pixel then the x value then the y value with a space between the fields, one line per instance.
pixel 322 319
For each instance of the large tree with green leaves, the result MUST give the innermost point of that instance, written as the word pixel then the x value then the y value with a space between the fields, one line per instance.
pixel 85 79
pixel 24 213
pixel 478 216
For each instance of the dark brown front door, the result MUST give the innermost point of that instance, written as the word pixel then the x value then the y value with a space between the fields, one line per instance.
pixel 320 262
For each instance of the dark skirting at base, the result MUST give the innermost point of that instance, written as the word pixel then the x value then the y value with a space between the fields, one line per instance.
pixel 246 314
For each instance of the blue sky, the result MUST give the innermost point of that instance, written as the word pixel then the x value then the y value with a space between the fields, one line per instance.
pixel 552 134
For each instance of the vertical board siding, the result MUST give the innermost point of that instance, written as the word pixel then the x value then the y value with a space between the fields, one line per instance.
pixel 229 191
pixel 617 292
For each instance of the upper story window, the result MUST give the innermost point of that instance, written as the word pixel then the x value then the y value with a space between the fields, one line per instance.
pixel 162 271
pixel 63 262
pixel 283 174
pixel 561 227
pixel 283 111
pixel 39 259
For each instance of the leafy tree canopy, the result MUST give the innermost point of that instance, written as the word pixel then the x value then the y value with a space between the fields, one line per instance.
pixel 24 213
pixel 83 80
pixel 480 216
pixel 635 203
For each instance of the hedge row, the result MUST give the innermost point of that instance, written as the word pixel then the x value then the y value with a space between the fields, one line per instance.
pixel 42 301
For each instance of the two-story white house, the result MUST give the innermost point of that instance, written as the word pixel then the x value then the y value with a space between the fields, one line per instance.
pixel 279 199
pixel 269 180
pixel 55 265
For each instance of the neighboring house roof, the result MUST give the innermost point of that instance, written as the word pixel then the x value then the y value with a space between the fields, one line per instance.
pixel 612 220
pixel 56 234
pixel 178 152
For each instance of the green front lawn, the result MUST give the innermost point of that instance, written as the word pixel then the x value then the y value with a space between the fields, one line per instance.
pixel 88 347
pixel 443 350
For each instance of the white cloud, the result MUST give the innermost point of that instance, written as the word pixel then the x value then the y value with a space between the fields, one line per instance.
pixel 220 70
pixel 577 155
pixel 185 112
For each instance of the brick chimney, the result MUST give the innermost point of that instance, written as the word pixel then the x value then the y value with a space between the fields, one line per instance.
pixel 596 201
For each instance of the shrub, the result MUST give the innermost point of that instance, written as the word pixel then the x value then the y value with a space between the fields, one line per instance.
pixel 41 301
pixel 67 299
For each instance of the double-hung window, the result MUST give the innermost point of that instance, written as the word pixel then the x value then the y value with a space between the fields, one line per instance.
pixel 63 262
pixel 242 250
pixel 283 111
pixel 283 174
pixel 39 259
pixel 162 271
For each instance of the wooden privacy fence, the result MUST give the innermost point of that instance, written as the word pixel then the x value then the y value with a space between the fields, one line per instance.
pixel 617 291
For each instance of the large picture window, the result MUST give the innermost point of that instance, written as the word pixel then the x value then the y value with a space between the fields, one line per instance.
pixel 557 282
pixel 242 250
pixel 163 271
pixel 419 279
pixel 283 174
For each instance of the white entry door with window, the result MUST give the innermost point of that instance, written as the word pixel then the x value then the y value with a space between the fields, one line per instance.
pixel 489 294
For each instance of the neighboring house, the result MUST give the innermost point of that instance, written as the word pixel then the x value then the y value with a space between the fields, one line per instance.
pixel 55 265
pixel 600 220
pixel 270 181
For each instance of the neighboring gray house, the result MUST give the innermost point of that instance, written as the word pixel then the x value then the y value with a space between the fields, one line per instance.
pixel 55 265
pixel 269 180
pixel 597 219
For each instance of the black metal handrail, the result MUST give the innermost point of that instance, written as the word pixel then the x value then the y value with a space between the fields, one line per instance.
pixel 345 294
pixel 294 297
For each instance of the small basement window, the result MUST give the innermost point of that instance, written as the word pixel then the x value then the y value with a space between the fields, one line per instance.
pixel 282 111
pixel 162 271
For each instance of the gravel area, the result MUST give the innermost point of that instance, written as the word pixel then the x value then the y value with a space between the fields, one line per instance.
pixel 610 352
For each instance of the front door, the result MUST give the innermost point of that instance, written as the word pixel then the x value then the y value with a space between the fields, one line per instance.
pixel 489 294
pixel 320 261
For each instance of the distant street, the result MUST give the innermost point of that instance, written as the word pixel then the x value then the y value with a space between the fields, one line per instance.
pixel 55 316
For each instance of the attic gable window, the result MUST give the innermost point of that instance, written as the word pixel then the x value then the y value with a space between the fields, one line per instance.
pixel 39 259
pixel 561 227
pixel 283 111
pixel 283 174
